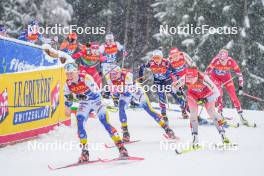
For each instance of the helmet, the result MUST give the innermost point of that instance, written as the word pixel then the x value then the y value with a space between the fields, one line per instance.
pixel 34 23
pixel 173 51
pixel 115 73
pixel 33 27
pixel 109 36
pixel 191 74
pixel 71 67
pixel 223 54
pixel 72 36
pixel 157 53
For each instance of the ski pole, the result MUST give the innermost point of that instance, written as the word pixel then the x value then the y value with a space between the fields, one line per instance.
pixel 253 97
pixel 228 81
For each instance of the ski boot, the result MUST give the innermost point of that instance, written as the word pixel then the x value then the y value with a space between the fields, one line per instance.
pixel 242 119
pixel 84 155
pixel 126 136
pixel 225 140
pixel 122 150
pixel 165 118
pixel 195 141
pixel 169 132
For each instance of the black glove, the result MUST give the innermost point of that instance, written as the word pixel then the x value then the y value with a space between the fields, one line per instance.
pixel 202 101
pixel 240 90
pixel 69 97
pixel 179 93
pixel 81 96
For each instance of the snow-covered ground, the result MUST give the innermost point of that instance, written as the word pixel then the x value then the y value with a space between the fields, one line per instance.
pixel 23 160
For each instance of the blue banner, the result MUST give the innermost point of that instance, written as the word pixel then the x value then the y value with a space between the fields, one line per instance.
pixel 16 57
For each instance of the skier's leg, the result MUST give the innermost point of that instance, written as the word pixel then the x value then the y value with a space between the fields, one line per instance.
pixel 82 115
pixel 145 103
pixel 162 101
pixel 180 100
pixel 230 87
pixel 193 119
pixel 123 102
pixel 104 119
pixel 193 115
pixel 218 121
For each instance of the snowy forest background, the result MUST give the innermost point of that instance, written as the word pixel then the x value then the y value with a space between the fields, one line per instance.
pixel 136 23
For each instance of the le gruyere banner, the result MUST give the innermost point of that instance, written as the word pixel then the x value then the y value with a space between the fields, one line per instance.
pixel 31 103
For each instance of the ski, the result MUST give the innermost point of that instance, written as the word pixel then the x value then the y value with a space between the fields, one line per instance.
pixel 129 158
pixel 251 125
pixel 232 125
pixel 74 164
pixel 225 146
pixel 188 150
pixel 112 146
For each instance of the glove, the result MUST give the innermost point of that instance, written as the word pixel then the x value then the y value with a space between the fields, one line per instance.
pixel 202 101
pixel 81 96
pixel 179 93
pixel 62 60
pixel 240 90
pixel 69 97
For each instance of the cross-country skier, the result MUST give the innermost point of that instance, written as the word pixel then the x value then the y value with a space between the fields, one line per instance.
pixel 32 35
pixel 3 30
pixel 219 71
pixel 89 58
pixel 122 83
pixel 163 77
pixel 82 87
pixel 110 49
pixel 180 61
pixel 201 91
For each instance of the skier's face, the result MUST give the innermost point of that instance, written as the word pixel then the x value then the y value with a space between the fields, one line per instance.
pixel 109 41
pixel 223 57
pixel 191 79
pixel 73 76
pixel 174 57
pixel 95 52
pixel 157 59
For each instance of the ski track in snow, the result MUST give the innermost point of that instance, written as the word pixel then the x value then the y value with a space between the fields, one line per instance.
pixel 19 160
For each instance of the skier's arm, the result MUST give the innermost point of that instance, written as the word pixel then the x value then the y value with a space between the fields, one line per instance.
pixel 210 67
pixel 177 84
pixel 238 73
pixel 77 55
pixel 209 83
pixel 120 47
pixel 141 71
pixel 68 96
pixel 189 60
pixel 89 81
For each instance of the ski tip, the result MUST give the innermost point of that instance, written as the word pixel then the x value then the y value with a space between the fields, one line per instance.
pixel 50 167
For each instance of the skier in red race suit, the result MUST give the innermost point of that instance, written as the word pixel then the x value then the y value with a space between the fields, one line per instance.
pixel 201 91
pixel 88 59
pixel 219 71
